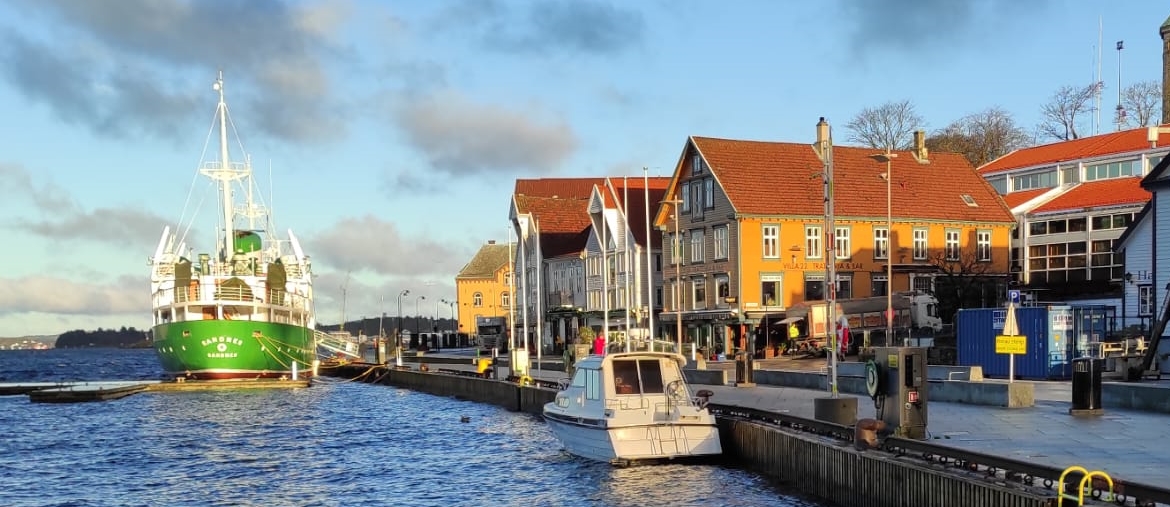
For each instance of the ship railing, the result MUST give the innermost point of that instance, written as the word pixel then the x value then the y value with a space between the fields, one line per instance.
pixel 196 294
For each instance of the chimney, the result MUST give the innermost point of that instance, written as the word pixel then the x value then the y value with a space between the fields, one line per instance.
pixel 491 241
pixel 824 139
pixel 920 151
pixel 1164 31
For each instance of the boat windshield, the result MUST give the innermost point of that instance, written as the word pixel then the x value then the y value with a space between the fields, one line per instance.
pixel 637 376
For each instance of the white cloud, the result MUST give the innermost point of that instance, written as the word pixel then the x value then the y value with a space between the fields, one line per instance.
pixel 46 294
pixel 371 244
pixel 462 137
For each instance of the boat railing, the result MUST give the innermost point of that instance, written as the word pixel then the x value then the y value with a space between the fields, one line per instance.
pixel 336 344
pixel 196 294
pixel 628 403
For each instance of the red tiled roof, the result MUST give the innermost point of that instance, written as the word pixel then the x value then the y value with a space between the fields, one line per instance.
pixel 560 207
pixel 1096 194
pixel 557 187
pixel 1017 198
pixel 637 204
pixel 770 178
pixel 1086 147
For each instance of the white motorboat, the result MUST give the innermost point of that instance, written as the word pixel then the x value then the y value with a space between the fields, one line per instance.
pixel 633 406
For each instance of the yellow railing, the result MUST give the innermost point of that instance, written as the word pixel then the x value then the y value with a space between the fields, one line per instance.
pixel 1086 480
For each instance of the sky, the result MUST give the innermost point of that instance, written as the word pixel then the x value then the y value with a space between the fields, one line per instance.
pixel 388 134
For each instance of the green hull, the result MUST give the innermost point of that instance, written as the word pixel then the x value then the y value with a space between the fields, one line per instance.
pixel 225 349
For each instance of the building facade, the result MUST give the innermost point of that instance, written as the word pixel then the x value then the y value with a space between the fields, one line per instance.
pixel 482 286
pixel 745 223
pixel 1072 200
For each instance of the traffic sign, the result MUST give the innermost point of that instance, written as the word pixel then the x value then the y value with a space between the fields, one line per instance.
pixel 1014 296
pixel 1011 344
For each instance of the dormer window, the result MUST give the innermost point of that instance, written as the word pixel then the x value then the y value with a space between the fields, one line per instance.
pixel 969 200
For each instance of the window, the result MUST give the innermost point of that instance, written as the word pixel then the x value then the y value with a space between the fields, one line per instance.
pixel 697 245
pixel 685 197
pixel 1070 174
pixel 878 284
pixel 814 287
pixel 812 241
pixel 697 197
pixel 657 262
pixel 771 241
pixel 1057 226
pixel 1119 221
pixel 709 193
pixel 999 184
pixel 770 287
pixel 675 247
pixel 1113 170
pixel 658 297
pixel 722 288
pixel 721 249
pixel 1077 225
pixel 696 164
pixel 881 243
pixel 844 286
pixel 920 246
pixel 922 283
pixel 699 290
pixel 505 299
pixel 1046 179
pixel 841 240
pixel 477 299
pixel 952 245
pixel 1145 300
pixel 593 384
pixel 1037 228
pixel 983 245
pixel 970 201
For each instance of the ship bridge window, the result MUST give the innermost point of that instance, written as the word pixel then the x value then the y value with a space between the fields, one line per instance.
pixel 625 377
pixel 651 375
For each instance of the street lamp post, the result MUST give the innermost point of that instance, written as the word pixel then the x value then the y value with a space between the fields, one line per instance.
pixel 381 330
pixel 676 256
pixel 417 317
pixel 398 330
pixel 888 157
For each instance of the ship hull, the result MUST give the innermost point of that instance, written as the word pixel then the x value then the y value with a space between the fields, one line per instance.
pixel 227 349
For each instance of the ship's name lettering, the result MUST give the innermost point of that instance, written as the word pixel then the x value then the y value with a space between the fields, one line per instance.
pixel 221 355
pixel 222 339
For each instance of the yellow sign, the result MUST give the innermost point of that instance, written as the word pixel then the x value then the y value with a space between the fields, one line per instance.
pixel 1011 344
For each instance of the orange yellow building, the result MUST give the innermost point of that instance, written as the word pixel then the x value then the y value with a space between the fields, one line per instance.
pixel 482 285
pixel 752 242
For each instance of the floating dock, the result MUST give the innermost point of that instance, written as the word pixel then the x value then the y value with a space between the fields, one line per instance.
pixel 76 392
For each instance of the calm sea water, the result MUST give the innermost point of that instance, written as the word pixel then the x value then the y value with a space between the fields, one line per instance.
pixel 334 444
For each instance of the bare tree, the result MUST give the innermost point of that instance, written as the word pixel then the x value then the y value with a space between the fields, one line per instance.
pixel 1142 102
pixel 1063 111
pixel 981 137
pixel 965 282
pixel 888 126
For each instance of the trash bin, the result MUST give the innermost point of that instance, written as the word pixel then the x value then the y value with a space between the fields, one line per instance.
pixel 1086 385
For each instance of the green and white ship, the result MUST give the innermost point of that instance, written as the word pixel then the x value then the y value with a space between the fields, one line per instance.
pixel 243 309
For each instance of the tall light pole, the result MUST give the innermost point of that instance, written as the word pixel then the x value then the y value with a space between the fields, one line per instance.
pixel 676 256
pixel 417 315
pixel 888 157
pixel 398 330
pixel 381 330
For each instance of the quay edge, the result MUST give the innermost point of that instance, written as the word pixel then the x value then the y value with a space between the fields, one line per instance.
pixel 826 468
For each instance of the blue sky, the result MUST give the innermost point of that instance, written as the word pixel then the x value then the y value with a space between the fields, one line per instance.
pixel 395 129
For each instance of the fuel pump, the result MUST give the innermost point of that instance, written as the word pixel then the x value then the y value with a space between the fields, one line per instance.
pixel 896 376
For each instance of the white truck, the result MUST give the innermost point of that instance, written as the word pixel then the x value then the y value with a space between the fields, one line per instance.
pixel 916 310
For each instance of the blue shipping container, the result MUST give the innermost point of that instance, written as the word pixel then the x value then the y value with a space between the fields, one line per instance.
pixel 1048 341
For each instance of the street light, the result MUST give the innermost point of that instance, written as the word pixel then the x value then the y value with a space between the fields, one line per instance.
pixel 416 314
pixel 451 305
pixel 676 256
pixel 888 157
pixel 398 330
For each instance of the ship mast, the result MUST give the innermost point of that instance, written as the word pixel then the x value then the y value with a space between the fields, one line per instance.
pixel 224 174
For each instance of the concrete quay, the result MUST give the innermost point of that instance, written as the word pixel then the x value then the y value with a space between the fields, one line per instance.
pixel 1129 445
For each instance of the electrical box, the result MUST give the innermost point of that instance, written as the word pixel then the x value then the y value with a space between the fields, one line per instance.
pixel 896 378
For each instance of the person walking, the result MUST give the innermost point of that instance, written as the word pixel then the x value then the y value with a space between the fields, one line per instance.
pixel 793 335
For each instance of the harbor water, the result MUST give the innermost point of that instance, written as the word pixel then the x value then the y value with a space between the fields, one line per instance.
pixel 336 443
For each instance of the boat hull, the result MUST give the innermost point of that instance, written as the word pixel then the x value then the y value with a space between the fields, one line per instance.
pixel 227 349
pixel 636 442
